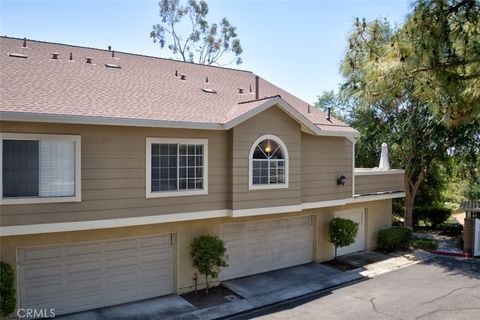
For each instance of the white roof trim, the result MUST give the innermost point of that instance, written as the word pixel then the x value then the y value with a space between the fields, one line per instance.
pixel 94 120
pixel 109 121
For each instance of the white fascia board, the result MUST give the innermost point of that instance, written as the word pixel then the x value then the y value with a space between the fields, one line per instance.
pixel 108 121
pixel 377 197
pixel 371 172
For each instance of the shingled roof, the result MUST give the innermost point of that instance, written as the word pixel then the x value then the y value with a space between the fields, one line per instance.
pixel 130 89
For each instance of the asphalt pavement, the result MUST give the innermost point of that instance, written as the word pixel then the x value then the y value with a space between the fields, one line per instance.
pixel 439 288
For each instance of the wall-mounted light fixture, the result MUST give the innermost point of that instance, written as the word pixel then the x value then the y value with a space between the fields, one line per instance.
pixel 341 180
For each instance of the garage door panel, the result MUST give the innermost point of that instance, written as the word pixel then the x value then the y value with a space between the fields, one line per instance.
pixel 41 254
pixel 266 245
pixel 84 267
pixel 92 275
pixel 41 272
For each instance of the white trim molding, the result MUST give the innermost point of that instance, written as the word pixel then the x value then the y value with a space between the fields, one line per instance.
pixel 109 223
pixel 148 168
pixel 308 125
pixel 265 211
pixel 282 145
pixel 76 139
pixel 372 172
pixel 376 197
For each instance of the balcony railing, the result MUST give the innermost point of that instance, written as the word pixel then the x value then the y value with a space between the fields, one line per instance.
pixel 370 182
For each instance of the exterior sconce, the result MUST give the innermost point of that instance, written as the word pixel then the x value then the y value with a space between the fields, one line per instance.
pixel 341 180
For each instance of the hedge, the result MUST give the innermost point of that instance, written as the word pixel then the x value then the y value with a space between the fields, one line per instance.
pixel 433 215
pixel 394 238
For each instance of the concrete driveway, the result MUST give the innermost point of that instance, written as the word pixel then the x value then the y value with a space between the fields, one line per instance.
pixel 273 286
pixel 438 288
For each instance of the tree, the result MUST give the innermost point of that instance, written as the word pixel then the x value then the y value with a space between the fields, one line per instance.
pixel 7 290
pixel 208 253
pixel 410 87
pixel 202 43
pixel 342 232
pixel 434 58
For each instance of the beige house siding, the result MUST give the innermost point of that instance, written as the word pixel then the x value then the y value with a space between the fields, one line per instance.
pixel 324 159
pixel 276 122
pixel 378 216
pixel 113 175
pixel 368 184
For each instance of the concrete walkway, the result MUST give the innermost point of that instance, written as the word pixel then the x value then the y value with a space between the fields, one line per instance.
pixel 445 243
pixel 259 290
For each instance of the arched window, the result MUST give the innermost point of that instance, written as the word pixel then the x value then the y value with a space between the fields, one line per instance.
pixel 268 163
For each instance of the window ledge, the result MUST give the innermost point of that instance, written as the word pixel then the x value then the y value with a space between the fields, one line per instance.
pixel 163 194
pixel 9 201
pixel 268 186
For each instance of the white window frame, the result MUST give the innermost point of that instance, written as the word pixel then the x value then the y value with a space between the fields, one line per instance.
pixel 78 168
pixel 178 193
pixel 282 145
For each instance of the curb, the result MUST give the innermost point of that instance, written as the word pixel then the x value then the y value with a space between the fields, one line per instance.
pixel 452 254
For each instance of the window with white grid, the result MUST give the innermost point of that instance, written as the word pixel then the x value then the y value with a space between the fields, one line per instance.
pixel 268 163
pixel 176 167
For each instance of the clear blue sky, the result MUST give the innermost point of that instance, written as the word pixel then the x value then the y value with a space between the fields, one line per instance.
pixel 295 44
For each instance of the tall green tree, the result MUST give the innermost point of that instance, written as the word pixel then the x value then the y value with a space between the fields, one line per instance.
pixel 185 31
pixel 421 81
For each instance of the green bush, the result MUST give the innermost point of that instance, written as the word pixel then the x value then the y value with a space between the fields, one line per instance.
pixel 433 215
pixel 451 229
pixel 394 238
pixel 424 244
pixel 208 254
pixel 472 191
pixel 7 290
pixel 342 232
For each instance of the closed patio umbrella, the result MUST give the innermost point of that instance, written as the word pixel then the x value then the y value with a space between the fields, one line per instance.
pixel 384 162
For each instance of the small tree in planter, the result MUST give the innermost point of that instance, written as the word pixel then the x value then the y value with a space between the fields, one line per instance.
pixel 7 290
pixel 208 253
pixel 342 232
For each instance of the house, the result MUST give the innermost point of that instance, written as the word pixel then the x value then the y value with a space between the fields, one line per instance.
pixel 112 163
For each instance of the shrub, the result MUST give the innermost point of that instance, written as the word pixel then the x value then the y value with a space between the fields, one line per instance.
pixel 7 290
pixel 451 229
pixel 433 215
pixel 424 244
pixel 394 238
pixel 208 253
pixel 342 232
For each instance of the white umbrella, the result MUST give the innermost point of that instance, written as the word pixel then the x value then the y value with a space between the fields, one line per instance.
pixel 384 163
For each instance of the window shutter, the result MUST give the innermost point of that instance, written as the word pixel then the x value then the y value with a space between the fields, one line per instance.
pixel 57 168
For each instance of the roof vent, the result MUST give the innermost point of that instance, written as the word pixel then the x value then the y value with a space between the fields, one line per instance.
pixel 206 79
pixel 113 54
pixel 251 89
pixel 89 60
pixel 183 77
pixel 208 90
pixel 112 65
pixel 308 108
pixel 109 48
pixel 24 42
pixel 241 90
pixel 17 55
pixel 176 73
pixel 55 55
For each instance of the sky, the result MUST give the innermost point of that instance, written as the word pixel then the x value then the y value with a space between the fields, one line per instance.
pixel 297 45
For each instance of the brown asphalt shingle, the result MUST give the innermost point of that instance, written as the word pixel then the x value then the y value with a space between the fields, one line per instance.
pixel 145 88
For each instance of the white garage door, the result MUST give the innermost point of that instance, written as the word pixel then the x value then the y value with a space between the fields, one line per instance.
pixel 89 275
pixel 260 246
pixel 358 216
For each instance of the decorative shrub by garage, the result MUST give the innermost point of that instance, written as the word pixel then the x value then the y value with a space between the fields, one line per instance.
pixel 7 290
pixel 342 232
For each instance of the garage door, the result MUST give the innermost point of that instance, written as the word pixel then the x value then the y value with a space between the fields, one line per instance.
pixel 89 275
pixel 358 216
pixel 260 246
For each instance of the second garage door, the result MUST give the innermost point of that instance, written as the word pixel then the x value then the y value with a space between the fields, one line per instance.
pixel 358 216
pixel 89 275
pixel 260 246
